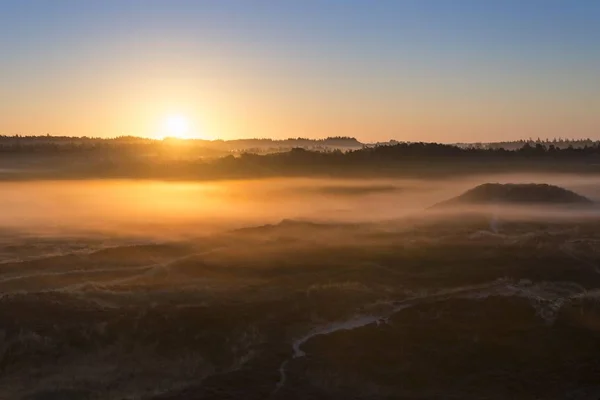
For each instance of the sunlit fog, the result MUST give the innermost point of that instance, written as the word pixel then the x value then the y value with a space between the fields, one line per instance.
pixel 166 209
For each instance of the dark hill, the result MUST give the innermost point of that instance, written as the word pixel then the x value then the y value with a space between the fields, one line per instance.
pixel 511 193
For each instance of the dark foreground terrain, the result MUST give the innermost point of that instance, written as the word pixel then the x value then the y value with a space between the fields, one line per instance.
pixel 422 308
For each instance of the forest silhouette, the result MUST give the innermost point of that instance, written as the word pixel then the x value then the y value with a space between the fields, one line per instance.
pixel 70 157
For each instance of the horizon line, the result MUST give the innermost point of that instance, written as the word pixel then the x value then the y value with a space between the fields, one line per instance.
pixel 321 139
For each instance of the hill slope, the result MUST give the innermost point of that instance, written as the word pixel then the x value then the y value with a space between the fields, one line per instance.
pixel 511 193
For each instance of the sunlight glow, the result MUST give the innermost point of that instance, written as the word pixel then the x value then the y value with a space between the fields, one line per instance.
pixel 176 126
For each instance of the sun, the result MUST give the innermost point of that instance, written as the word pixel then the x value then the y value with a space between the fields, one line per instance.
pixel 176 126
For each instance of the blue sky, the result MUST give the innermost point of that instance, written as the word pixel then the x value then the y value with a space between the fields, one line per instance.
pixel 411 70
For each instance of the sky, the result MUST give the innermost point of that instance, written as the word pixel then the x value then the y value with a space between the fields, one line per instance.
pixel 416 70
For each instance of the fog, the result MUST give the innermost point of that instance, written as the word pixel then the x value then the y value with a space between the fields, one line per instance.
pixel 163 209
pixel 115 289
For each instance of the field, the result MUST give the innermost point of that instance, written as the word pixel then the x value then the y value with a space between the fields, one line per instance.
pixel 361 300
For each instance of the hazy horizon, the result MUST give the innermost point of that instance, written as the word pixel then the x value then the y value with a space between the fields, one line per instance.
pixel 308 138
pixel 330 263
